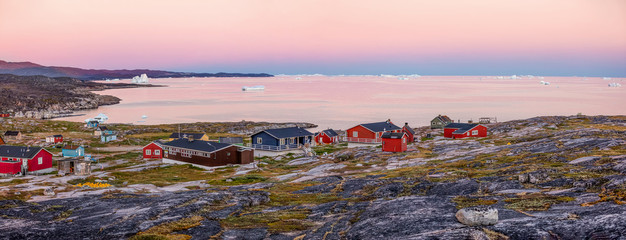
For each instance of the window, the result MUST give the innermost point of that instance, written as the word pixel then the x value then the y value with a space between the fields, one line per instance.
pixel 187 155
pixel 403 140
pixel 355 134
pixel 259 140
pixel 157 152
pixel 40 160
pixel 148 152
pixel 282 141
pixel 293 140
pixel 227 154
pixel 475 132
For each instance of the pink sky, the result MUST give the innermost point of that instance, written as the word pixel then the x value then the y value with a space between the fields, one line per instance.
pixel 284 35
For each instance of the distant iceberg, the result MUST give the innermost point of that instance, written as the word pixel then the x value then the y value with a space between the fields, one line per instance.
pixel 101 118
pixel 140 79
pixel 253 88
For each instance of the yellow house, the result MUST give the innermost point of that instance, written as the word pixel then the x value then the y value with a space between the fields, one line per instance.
pixel 195 136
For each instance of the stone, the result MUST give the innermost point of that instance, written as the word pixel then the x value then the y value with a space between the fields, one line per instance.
pixel 478 216
pixel 584 160
pixel 49 192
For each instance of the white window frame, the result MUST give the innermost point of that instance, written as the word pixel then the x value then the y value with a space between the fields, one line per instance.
pixel 157 152
pixel 403 140
pixel 474 132
pixel 40 160
pixel 355 134
pixel 281 142
pixel 148 152
pixel 259 140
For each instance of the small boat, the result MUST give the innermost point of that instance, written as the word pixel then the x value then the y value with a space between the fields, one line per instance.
pixel 144 116
pixel 253 88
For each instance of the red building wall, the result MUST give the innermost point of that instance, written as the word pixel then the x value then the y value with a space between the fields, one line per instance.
pixel 410 136
pixel 152 155
pixel 394 144
pixel 10 167
pixel 323 138
pixel 46 161
pixel 482 132
pixel 447 132
pixel 362 132
pixel 58 139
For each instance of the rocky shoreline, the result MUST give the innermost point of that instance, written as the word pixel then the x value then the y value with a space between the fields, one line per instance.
pixel 42 97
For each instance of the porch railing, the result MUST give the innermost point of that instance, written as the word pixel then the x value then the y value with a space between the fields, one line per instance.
pixel 362 140
pixel 275 148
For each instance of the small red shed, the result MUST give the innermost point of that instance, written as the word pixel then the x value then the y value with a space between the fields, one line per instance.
pixel 410 133
pixel 327 136
pixel 394 141
pixel 54 139
pixel 5 115
pixel 154 150
pixel 463 130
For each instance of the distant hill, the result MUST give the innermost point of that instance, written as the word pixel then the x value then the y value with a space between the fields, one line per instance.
pixel 32 69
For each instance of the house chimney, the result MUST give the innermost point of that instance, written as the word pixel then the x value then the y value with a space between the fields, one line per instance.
pixel 406 124
pixel 190 138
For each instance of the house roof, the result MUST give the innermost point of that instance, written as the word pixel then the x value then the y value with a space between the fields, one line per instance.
pixel 461 127
pixel 443 118
pixel 204 146
pixel 156 142
pixel 231 140
pixel 287 132
pixel 393 135
pixel 70 147
pixel 58 135
pixel 185 135
pixel 330 133
pixel 408 128
pixel 11 133
pixel 381 126
pixel 102 128
pixel 19 151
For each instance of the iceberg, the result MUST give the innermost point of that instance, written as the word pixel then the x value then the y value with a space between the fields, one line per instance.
pixel 140 79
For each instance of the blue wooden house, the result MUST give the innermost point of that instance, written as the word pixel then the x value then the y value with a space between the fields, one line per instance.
pixel 281 139
pixel 73 151
pixel 92 124
pixel 108 136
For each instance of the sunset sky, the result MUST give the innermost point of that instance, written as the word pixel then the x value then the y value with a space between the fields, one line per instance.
pixel 455 37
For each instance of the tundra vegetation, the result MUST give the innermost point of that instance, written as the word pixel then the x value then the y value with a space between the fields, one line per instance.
pixel 549 177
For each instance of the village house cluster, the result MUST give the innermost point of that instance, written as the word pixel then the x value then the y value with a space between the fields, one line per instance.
pixel 197 149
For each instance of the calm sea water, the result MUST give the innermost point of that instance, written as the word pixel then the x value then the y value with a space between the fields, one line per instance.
pixel 343 101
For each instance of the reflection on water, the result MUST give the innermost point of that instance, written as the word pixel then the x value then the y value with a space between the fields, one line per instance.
pixel 342 102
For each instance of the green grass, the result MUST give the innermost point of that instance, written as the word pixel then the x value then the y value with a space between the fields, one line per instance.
pixel 463 201
pixel 246 179
pixel 535 202
pixel 277 221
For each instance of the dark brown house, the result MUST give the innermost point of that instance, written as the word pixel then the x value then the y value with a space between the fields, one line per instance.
pixel 204 153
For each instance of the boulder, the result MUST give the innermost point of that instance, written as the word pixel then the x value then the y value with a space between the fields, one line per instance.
pixel 49 192
pixel 478 216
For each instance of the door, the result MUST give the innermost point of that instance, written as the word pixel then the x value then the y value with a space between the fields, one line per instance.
pixel 24 166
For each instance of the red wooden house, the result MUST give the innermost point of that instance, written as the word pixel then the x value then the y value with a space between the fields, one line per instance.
pixel 54 139
pixel 463 130
pixel 410 133
pixel 394 141
pixel 16 159
pixel 154 150
pixel 327 136
pixel 370 132
pixel 4 115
